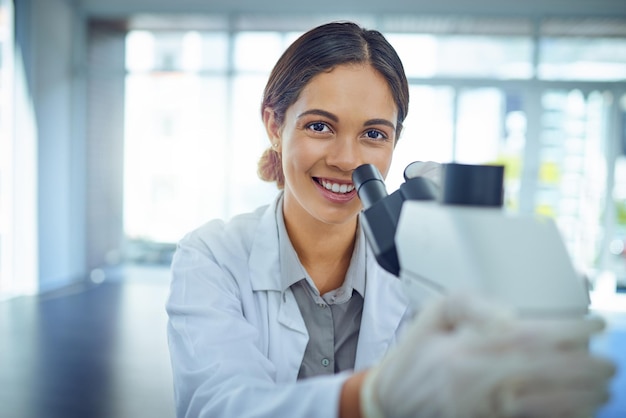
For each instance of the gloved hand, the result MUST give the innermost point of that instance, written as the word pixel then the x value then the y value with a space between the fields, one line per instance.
pixel 465 358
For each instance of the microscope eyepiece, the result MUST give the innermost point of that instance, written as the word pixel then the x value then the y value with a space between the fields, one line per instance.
pixel 369 184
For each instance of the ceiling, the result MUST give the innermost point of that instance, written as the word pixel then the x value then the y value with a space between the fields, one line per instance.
pixel 581 8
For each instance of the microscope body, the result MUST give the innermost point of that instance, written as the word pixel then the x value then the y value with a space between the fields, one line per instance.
pixel 458 239
pixel 519 261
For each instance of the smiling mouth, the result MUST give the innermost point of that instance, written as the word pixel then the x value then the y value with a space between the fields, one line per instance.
pixel 341 188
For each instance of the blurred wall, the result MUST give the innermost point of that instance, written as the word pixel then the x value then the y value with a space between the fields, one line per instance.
pixel 104 138
pixel 45 31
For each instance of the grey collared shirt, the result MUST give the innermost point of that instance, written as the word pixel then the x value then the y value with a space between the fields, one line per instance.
pixel 333 319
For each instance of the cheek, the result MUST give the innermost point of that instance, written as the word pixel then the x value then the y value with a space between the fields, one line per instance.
pixel 296 157
pixel 382 160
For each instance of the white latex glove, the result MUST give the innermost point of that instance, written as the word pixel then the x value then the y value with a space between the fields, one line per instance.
pixel 464 358
pixel 428 169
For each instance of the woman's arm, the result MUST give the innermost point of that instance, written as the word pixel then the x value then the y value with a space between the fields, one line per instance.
pixel 350 401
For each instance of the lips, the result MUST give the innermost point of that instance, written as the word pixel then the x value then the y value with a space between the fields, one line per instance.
pixel 335 186
pixel 335 191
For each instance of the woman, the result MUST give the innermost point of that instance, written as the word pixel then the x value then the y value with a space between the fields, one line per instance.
pixel 284 312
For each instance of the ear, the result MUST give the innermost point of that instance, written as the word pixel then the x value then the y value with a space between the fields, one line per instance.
pixel 272 128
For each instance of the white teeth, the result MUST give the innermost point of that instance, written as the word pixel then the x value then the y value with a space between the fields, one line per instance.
pixel 337 188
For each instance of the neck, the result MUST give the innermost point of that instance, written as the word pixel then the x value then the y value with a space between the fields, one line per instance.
pixel 325 250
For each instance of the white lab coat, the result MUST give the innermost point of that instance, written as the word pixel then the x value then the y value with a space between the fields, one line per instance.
pixel 237 341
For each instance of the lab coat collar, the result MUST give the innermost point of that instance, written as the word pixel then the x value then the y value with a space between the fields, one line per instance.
pixel 286 324
pixel 264 255
pixel 384 308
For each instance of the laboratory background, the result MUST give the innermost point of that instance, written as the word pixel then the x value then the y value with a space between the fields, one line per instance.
pixel 125 124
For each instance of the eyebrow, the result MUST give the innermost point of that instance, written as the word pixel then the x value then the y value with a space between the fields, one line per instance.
pixel 379 122
pixel 319 112
pixel 334 118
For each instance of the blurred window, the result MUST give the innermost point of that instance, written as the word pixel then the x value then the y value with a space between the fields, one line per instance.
pixel 174 154
pixel 598 59
pixel 175 133
pixel 6 147
pixel 616 257
pixel 504 57
pixel 573 168
pixel 428 131
pixel 257 51
pixel 188 51
pixel 617 245
pixel 491 128
pixel 193 132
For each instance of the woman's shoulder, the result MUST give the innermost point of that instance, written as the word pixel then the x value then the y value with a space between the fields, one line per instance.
pixel 218 234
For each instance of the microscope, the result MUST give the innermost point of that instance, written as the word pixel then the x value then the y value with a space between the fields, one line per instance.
pixel 456 237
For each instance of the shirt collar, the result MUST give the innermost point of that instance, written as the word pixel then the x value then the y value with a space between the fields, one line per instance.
pixel 292 270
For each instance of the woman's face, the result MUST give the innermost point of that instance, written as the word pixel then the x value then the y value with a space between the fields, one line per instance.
pixel 342 119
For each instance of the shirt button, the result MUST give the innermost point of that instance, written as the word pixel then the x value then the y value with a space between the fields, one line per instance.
pixel 325 362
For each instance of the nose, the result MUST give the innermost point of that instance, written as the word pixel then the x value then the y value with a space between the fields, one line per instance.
pixel 344 154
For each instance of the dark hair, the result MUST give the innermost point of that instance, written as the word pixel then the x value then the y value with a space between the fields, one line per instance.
pixel 320 50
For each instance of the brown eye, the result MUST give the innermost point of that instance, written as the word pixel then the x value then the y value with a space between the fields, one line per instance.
pixel 376 135
pixel 318 127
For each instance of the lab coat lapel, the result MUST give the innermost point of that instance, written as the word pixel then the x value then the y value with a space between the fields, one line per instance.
pixel 287 350
pixel 287 336
pixel 384 308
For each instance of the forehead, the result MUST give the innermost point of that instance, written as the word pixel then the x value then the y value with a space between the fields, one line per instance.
pixel 354 87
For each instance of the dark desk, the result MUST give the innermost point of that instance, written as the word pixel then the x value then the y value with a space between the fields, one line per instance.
pixel 89 351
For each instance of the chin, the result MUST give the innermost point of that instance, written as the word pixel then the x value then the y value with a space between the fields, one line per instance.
pixel 340 217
